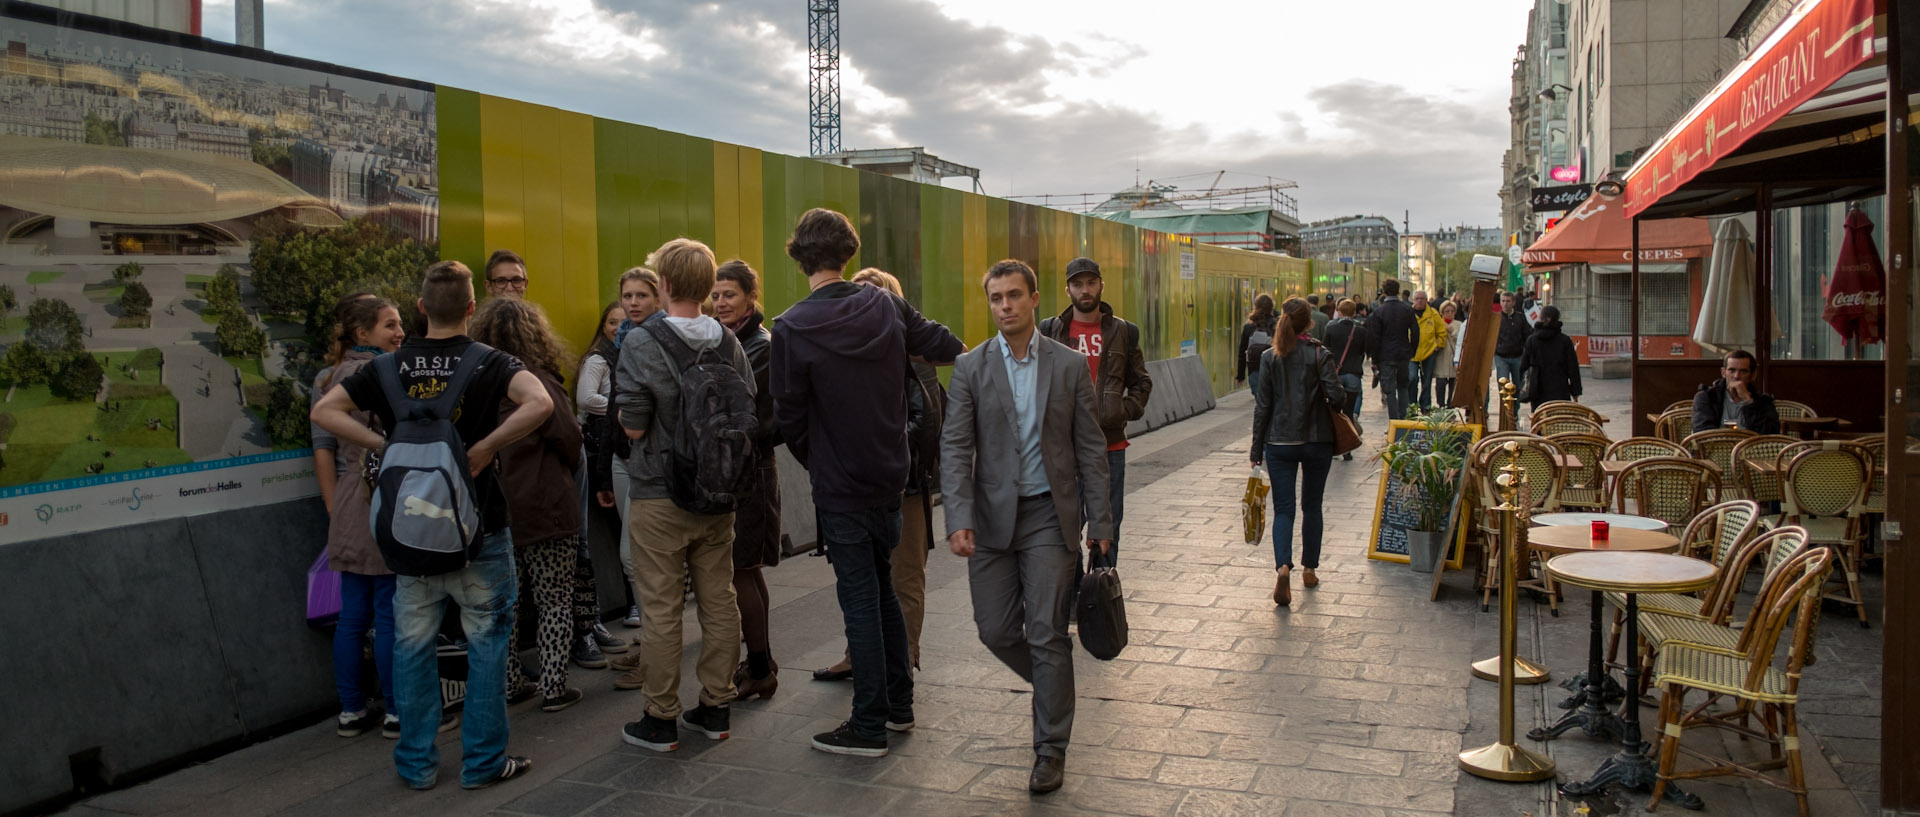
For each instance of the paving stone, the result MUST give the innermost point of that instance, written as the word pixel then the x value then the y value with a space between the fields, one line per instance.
pixel 1206 774
pixel 1231 723
pixel 1310 808
pixel 663 777
pixel 1130 713
pixel 1204 803
pixel 644 804
pixel 560 799
pixel 829 796
pixel 1396 792
pixel 945 775
pixel 1120 764
pixel 736 810
pixel 1164 741
pixel 1339 757
pixel 756 787
pixel 1123 797
pixel 1301 783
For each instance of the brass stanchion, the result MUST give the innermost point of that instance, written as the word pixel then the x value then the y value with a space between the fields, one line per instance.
pixel 1506 760
pixel 1513 545
pixel 1509 406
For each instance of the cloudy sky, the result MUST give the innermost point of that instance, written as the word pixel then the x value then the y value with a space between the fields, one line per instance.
pixel 1372 107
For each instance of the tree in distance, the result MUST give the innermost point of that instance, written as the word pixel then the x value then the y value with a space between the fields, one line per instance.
pixel 78 378
pixel 287 420
pixel 135 300
pixel 127 272
pixel 53 326
pixel 8 302
pixel 238 337
pixel 25 365
pixel 223 292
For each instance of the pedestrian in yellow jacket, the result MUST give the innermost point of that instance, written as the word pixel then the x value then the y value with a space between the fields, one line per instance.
pixel 1433 344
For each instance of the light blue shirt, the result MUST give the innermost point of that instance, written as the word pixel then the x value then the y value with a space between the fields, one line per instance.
pixel 1023 376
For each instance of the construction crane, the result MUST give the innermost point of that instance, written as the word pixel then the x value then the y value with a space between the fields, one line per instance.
pixel 823 85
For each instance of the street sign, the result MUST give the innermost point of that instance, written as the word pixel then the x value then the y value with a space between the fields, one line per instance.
pixel 1346 259
pixel 1187 267
pixel 1559 199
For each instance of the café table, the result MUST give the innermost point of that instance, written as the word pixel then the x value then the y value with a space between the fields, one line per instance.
pixel 1631 534
pixel 1585 519
pixel 1630 573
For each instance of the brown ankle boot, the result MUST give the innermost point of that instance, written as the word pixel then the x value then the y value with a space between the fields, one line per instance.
pixel 1282 588
pixel 748 687
pixel 1307 579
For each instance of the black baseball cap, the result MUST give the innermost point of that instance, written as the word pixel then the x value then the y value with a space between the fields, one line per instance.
pixel 1082 266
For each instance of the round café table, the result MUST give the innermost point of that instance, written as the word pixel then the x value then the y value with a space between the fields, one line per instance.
pixel 1618 520
pixel 1630 573
pixel 1587 707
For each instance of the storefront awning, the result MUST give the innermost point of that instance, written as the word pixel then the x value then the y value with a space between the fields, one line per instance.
pixel 1598 232
pixel 1817 82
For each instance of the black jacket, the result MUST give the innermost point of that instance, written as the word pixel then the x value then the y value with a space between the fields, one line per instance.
pixel 1337 333
pixel 1249 359
pixel 1710 402
pixel 1550 365
pixel 1396 332
pixel 1512 341
pixel 1121 389
pixel 1289 406
pixel 757 342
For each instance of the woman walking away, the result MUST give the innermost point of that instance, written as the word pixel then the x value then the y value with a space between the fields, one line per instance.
pixel 1549 366
pixel 365 327
pixel 1256 335
pixel 1447 366
pixel 542 499
pixel 607 457
pixel 1351 345
pixel 1292 432
pixel 756 522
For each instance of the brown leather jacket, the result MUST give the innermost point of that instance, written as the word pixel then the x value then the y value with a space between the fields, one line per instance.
pixel 536 473
pixel 1121 389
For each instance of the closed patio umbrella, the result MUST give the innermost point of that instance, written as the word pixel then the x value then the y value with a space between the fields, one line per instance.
pixel 1726 307
pixel 1857 293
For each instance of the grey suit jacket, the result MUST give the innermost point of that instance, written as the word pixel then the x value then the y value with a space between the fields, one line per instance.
pixel 979 458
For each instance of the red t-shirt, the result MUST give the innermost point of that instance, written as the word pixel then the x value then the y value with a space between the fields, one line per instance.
pixel 1087 340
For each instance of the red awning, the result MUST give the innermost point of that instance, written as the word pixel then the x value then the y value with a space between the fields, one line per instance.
pixel 1598 232
pixel 1818 43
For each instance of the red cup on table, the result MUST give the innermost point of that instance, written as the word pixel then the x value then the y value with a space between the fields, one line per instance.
pixel 1600 529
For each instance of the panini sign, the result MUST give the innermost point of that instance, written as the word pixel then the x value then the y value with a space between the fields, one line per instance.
pixel 1815 46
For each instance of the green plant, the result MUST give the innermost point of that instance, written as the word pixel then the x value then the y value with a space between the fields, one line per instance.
pixel 1427 462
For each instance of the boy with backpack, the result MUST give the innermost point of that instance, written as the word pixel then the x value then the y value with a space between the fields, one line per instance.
pixel 684 394
pixel 440 518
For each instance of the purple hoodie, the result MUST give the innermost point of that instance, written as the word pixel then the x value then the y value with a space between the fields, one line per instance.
pixel 839 389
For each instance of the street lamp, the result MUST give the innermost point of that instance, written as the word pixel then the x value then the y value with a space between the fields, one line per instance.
pixel 1547 94
pixel 1610 186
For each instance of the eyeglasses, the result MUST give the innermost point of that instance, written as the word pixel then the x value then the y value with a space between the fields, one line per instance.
pixel 519 282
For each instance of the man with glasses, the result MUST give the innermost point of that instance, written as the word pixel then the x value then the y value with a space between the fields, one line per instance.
pixel 506 275
pixel 1731 400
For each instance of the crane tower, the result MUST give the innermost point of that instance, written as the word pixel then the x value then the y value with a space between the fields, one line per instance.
pixel 823 88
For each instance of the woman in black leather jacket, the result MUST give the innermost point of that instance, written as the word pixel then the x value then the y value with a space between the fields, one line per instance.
pixel 1292 433
pixel 756 523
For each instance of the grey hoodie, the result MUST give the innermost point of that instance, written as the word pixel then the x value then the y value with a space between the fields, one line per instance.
pixel 647 388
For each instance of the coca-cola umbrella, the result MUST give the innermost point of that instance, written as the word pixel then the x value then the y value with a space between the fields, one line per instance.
pixel 1857 293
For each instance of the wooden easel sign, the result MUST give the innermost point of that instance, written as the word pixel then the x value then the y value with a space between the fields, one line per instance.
pixel 1396 504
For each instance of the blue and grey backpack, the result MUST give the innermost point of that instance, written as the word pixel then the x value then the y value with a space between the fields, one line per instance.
pixel 425 514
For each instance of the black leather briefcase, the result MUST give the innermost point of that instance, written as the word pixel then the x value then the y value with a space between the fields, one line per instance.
pixel 1103 613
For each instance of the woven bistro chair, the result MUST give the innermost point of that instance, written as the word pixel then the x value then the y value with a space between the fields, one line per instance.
pixel 1753 681
pixel 1875 506
pixel 1758 486
pixel 1712 629
pixel 1476 507
pixel 1586 486
pixel 1674 425
pixel 1717 534
pixel 1670 489
pixel 1633 449
pixel 1793 410
pixel 1553 407
pixel 1679 404
pixel 1717 445
pixel 1824 490
pixel 1541 481
pixel 1565 422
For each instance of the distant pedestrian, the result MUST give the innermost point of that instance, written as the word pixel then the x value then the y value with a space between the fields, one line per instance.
pixel 1396 337
pixel 839 366
pixel 484 588
pixel 1351 344
pixel 1320 318
pixel 1512 340
pixel 1022 461
pixel 1448 361
pixel 1256 336
pixel 1293 436
pixel 1549 365
pixel 1433 341
pixel 756 524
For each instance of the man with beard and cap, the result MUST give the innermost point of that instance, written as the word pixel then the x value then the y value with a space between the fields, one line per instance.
pixel 1120 382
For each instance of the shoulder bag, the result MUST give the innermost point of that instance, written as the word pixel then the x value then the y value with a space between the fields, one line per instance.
pixel 1346 430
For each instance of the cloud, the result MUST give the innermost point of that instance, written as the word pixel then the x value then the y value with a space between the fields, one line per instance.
pixel 972 92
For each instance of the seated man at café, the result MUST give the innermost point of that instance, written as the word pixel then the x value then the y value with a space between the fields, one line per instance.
pixel 1731 399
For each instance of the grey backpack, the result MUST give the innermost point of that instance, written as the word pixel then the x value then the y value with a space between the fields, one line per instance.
pixel 425 514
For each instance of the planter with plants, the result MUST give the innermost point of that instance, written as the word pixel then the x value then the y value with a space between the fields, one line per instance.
pixel 1426 466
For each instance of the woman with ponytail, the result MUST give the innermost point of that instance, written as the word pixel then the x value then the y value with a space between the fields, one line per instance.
pixel 1292 432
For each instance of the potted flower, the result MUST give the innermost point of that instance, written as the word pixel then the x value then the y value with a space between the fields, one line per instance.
pixel 1426 463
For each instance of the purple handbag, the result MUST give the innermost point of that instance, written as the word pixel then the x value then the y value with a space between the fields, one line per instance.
pixel 323 593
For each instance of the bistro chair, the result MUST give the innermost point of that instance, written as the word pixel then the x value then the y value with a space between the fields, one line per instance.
pixel 1670 489
pixel 1719 534
pixel 1632 449
pixel 1716 445
pixel 1875 506
pixel 1585 487
pixel 1825 491
pixel 1793 410
pixel 1568 407
pixel 1674 425
pixel 1541 481
pixel 1564 422
pixel 1752 680
pixel 1710 627
pixel 1763 487
pixel 1679 404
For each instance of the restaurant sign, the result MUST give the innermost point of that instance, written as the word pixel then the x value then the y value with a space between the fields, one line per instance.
pixel 1816 45
pixel 1560 199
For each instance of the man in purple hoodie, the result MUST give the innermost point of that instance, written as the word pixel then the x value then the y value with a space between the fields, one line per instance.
pixel 839 396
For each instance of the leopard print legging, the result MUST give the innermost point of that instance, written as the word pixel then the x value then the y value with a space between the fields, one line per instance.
pixel 547 571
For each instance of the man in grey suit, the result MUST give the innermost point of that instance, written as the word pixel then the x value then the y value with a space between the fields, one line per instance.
pixel 1020 456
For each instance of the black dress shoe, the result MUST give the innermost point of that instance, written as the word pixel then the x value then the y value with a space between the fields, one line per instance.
pixel 831 674
pixel 1048 773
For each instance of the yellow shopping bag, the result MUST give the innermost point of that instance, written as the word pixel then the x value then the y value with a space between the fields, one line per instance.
pixel 1253 506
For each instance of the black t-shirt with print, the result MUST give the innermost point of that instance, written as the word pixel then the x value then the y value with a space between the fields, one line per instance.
pixel 425 366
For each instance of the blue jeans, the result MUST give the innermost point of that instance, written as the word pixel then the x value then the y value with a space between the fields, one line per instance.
pixel 1284 464
pixel 365 602
pixel 485 590
pixel 860 544
pixel 1355 389
pixel 1507 368
pixel 1253 379
pixel 1396 387
pixel 1425 368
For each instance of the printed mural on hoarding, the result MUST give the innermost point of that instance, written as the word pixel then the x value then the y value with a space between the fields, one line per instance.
pixel 176 222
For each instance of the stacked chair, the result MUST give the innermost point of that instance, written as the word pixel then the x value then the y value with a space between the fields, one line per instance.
pixel 1824 489
pixel 1586 486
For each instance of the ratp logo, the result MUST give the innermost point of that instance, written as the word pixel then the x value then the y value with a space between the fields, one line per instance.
pixel 44 513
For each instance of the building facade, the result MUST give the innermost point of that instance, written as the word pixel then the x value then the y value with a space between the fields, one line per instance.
pixel 1363 240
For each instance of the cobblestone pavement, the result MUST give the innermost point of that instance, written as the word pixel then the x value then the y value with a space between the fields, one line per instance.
pixel 1351 703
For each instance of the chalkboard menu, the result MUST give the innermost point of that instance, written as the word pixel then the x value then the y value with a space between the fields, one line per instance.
pixel 1397 505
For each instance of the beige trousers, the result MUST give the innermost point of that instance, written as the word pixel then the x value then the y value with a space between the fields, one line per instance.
pixel 667 543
